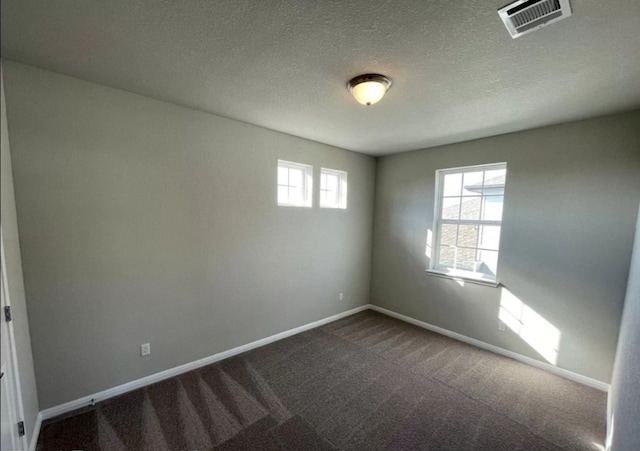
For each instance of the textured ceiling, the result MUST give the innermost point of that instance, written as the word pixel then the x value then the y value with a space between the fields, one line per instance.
pixel 283 64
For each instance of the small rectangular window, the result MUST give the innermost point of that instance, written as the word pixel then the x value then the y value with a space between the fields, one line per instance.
pixel 333 188
pixel 468 221
pixel 295 183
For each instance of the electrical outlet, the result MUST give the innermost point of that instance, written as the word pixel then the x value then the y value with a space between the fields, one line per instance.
pixel 145 349
pixel 502 326
pixel 341 296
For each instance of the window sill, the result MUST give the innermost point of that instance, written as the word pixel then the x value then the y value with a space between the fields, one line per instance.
pixel 461 277
pixel 294 205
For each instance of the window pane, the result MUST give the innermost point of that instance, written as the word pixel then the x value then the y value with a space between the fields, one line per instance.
pixel 343 191
pixel 295 177
pixel 332 198
pixel 294 184
pixel 332 182
pixel 283 195
pixel 470 208
pixel 466 259
pixel 472 183
pixel 446 256
pixel 451 208
pixel 493 190
pixel 283 176
pixel 468 236
pixel 490 237
pixel 492 208
pixel 494 181
pixel 448 234
pixel 489 262
pixel 471 202
pixel 452 184
pixel 295 196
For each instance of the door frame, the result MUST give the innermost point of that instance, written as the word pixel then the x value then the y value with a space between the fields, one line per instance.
pixel 17 388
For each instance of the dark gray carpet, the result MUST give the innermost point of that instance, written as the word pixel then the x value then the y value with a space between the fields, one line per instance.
pixel 365 382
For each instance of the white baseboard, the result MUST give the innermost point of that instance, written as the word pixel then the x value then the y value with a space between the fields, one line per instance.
pixel 497 350
pixel 171 372
pixel 157 377
pixel 36 433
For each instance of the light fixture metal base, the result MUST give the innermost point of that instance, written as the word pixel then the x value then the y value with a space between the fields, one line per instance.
pixel 369 77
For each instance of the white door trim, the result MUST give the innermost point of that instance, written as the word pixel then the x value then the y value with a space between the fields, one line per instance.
pixel 14 354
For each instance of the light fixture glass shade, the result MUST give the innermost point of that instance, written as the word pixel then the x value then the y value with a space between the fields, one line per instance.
pixel 369 89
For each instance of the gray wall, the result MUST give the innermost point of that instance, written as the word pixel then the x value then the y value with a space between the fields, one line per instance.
pixel 141 221
pixel 624 397
pixel 570 210
pixel 14 275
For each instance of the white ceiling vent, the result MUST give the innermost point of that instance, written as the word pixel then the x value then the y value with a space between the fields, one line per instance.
pixel 524 16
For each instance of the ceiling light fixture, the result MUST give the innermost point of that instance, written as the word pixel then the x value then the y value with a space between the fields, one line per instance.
pixel 369 88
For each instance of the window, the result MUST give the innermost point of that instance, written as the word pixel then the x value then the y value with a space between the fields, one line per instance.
pixel 333 188
pixel 295 182
pixel 468 221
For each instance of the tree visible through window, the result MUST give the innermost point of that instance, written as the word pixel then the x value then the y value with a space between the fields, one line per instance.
pixel 468 220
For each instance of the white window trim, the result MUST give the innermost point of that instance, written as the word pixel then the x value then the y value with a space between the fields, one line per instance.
pixel 459 274
pixel 342 188
pixel 466 276
pixel 307 183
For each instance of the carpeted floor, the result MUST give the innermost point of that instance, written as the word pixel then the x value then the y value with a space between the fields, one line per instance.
pixel 365 382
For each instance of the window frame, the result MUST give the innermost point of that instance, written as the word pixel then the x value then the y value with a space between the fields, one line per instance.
pixel 307 183
pixel 342 188
pixel 434 267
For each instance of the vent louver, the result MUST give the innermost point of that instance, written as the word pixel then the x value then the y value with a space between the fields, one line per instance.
pixel 525 16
